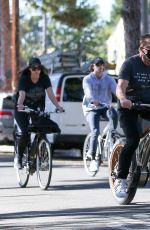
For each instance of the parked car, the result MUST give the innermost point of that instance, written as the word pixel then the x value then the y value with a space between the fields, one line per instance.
pixel 6 117
pixel 68 90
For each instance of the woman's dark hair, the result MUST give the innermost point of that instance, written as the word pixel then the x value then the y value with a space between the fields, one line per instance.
pixel 26 71
pixel 91 68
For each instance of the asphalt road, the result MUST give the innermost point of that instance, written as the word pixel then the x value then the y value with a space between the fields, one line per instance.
pixel 73 201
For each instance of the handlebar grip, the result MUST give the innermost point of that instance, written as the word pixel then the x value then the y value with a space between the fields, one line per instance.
pixel 139 105
pixel 58 111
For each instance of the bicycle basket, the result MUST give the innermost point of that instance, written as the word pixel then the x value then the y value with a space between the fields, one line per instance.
pixel 40 129
pixel 43 125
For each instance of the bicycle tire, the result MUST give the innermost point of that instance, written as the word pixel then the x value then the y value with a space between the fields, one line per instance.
pixel 113 164
pixel 23 173
pixel 86 160
pixel 44 164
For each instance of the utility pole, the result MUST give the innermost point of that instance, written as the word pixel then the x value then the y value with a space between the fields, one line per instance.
pixel 2 48
pixel 15 42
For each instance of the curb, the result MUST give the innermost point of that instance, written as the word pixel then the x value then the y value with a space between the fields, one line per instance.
pixel 6 150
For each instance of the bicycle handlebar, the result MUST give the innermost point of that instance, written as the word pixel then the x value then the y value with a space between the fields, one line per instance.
pixel 28 110
pixel 91 106
pixel 139 105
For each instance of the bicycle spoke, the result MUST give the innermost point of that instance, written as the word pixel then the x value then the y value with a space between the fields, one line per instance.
pixel 44 164
pixel 86 160
pixel 23 174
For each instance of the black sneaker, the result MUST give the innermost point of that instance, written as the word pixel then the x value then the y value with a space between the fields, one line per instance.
pixel 18 162
pixel 32 166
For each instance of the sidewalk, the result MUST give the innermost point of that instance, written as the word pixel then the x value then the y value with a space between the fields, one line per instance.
pixel 6 149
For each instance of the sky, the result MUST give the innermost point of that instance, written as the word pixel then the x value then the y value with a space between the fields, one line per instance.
pixel 105 8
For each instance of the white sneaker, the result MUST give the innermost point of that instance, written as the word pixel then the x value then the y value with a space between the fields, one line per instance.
pixel 94 166
pixel 120 186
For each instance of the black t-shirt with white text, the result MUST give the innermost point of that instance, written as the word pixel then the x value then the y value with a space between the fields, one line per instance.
pixel 35 92
pixel 138 75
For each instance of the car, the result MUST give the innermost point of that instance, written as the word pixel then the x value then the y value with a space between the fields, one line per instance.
pixel 67 87
pixel 6 117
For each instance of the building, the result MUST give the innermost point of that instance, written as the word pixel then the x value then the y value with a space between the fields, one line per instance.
pixel 116 46
pixel 116 43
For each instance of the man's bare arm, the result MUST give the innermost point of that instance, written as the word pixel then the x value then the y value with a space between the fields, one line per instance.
pixel 121 89
pixel 121 94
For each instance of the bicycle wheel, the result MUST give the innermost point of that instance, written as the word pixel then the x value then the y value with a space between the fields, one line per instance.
pixel 44 164
pixel 133 177
pixel 87 160
pixel 23 173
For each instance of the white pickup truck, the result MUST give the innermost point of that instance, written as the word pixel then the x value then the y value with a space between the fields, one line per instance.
pixel 68 90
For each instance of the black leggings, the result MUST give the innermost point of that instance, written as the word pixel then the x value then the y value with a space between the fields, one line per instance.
pixel 129 123
pixel 22 120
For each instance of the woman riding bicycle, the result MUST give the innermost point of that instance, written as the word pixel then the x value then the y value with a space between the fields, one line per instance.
pixel 98 89
pixel 33 83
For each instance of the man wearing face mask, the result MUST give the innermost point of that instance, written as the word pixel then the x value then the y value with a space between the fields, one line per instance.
pixel 133 86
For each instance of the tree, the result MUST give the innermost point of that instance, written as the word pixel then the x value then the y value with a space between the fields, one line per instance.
pixel 68 11
pixel 132 20
pixel 87 36
pixel 115 13
pixel 30 34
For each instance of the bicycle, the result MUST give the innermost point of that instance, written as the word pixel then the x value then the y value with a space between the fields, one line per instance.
pixel 105 144
pixel 37 156
pixel 140 167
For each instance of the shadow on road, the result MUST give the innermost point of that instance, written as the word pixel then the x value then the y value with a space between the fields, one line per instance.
pixel 96 184
pixel 82 185
pixel 135 216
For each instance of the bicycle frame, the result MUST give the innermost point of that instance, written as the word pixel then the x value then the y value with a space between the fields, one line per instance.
pixel 31 149
pixel 107 137
pixel 143 150
pixel 143 158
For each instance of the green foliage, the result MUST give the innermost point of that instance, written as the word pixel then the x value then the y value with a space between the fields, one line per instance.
pixel 30 37
pixel 116 12
pixel 68 12
pixel 69 27
pixel 77 18
pixel 149 6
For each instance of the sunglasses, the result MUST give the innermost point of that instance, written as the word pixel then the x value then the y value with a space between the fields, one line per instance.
pixel 36 68
pixel 147 49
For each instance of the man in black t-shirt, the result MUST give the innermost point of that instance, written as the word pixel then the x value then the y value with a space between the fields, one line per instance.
pixel 133 85
pixel 33 85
